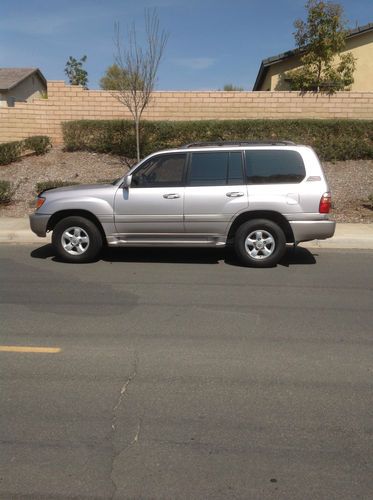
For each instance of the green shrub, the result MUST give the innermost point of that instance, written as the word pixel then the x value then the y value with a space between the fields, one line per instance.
pixel 369 202
pixel 332 139
pixel 38 143
pixel 44 185
pixel 10 151
pixel 100 136
pixel 6 192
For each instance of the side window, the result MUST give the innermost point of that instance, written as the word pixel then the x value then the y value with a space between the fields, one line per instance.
pixel 215 169
pixel 274 167
pixel 161 171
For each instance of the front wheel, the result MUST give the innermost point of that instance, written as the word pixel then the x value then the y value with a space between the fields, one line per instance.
pixel 77 239
pixel 260 243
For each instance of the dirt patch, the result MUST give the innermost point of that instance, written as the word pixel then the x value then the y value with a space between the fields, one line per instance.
pixel 351 182
pixel 78 167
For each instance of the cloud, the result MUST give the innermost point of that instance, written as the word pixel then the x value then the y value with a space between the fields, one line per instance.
pixel 195 63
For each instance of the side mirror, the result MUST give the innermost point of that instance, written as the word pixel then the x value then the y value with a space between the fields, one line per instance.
pixel 127 181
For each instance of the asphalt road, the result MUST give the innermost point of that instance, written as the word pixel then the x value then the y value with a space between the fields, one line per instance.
pixel 178 374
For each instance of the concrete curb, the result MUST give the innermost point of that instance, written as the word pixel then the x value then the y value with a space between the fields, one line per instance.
pixel 354 236
pixel 17 230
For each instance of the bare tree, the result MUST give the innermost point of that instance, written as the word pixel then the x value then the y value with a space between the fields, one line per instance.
pixel 140 65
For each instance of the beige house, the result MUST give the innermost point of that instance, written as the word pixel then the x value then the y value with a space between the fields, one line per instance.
pixel 20 85
pixel 359 42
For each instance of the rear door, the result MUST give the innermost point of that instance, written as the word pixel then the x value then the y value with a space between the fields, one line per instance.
pixel 276 180
pixel 215 191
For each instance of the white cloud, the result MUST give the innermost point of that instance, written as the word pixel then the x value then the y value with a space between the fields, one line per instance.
pixel 195 63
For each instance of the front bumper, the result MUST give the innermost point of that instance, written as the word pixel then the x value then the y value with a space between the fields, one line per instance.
pixel 39 223
pixel 312 230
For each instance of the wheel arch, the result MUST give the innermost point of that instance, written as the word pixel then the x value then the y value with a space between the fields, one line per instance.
pixel 262 214
pixel 62 214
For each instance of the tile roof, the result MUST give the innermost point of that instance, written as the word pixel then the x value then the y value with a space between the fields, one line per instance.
pixel 10 77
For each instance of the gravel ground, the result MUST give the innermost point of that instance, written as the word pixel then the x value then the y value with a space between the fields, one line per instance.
pixel 78 167
pixel 351 182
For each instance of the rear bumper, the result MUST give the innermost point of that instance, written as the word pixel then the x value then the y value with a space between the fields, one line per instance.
pixel 312 230
pixel 39 223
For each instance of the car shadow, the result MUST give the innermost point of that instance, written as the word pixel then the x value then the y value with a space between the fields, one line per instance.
pixel 298 256
pixel 43 252
pixel 293 256
pixel 165 255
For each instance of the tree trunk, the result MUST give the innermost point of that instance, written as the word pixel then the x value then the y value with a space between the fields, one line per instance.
pixel 319 76
pixel 137 128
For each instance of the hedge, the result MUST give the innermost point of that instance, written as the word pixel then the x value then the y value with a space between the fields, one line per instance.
pixel 332 139
pixel 51 184
pixel 38 143
pixel 12 151
pixel 6 192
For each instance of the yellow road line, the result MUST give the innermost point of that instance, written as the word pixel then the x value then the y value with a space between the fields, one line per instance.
pixel 19 348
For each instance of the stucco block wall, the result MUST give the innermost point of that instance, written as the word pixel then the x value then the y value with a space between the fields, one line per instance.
pixel 64 103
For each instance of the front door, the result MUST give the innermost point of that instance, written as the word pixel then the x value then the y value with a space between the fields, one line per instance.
pixel 153 204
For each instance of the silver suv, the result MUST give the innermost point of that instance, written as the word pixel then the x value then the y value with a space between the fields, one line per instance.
pixel 256 196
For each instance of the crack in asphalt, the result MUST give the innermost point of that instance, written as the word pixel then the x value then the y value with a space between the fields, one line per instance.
pixel 123 391
pixel 137 435
pixel 115 409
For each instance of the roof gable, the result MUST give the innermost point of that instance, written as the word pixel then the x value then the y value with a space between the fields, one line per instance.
pixel 11 77
pixel 290 53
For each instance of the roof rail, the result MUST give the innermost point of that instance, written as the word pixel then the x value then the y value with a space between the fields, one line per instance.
pixel 237 143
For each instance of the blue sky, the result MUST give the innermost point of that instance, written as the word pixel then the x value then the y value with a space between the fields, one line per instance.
pixel 211 42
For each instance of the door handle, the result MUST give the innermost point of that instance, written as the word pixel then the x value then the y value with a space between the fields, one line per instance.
pixel 171 196
pixel 235 194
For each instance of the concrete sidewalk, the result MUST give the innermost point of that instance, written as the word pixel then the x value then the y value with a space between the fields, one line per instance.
pixel 358 236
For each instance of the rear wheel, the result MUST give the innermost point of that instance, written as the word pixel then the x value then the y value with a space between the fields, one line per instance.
pixel 77 239
pixel 260 243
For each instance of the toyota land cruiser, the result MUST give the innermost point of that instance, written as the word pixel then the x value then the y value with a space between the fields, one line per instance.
pixel 257 196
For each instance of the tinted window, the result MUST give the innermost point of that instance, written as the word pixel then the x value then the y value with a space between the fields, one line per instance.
pixel 274 167
pixel 165 170
pixel 215 169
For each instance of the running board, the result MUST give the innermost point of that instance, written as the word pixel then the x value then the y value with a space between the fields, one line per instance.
pixel 165 242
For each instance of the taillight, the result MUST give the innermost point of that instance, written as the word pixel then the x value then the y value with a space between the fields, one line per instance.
pixel 325 203
pixel 39 202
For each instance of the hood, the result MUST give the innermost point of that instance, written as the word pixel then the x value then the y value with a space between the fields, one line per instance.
pixel 77 187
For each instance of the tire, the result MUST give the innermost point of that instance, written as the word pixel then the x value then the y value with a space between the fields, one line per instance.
pixel 76 239
pixel 259 243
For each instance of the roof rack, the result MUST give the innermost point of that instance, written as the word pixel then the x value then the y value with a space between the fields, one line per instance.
pixel 236 143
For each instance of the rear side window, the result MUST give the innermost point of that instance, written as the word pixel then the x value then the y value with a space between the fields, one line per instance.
pixel 274 167
pixel 216 169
